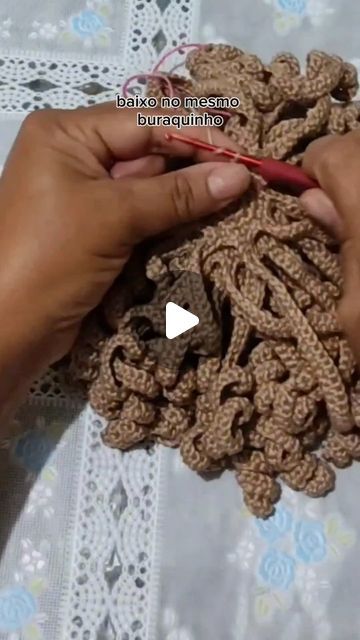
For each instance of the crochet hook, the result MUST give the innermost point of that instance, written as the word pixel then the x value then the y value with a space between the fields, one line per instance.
pixel 276 173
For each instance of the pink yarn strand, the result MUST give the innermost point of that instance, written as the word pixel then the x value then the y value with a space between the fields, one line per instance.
pixel 180 48
pixel 156 74
pixel 146 76
pixel 177 66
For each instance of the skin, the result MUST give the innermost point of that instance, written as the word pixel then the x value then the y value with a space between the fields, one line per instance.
pixel 334 161
pixel 81 188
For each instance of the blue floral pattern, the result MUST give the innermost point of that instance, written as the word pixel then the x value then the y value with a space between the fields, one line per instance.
pixel 290 14
pixel 307 544
pixel 17 607
pixel 91 25
pixel 277 569
pixel 291 551
pixel 20 614
pixel 19 602
pixel 32 450
pixel 293 6
pixel 275 527
pixel 310 541
pixel 87 23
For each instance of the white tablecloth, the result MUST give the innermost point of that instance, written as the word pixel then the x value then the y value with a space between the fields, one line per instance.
pixel 99 545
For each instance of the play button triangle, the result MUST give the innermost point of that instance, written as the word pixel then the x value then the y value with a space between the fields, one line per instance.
pixel 178 320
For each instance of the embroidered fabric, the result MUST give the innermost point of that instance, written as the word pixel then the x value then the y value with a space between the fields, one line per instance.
pixel 79 52
pixel 78 519
pixel 290 576
pixel 77 560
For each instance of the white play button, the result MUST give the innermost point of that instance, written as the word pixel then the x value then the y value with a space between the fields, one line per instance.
pixel 178 320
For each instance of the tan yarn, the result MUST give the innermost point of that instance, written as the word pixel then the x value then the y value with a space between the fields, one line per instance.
pixel 286 385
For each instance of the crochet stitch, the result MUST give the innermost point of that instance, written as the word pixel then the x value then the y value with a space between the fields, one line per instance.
pixel 282 400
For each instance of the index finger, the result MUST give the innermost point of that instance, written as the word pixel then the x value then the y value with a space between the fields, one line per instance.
pixel 115 134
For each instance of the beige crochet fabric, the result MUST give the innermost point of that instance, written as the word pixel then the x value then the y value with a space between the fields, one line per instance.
pixel 286 384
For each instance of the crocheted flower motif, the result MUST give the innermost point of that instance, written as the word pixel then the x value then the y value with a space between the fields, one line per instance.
pixel 17 607
pixel 276 526
pixel 277 569
pixel 310 541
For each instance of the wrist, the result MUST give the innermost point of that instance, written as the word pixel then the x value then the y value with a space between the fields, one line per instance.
pixel 24 348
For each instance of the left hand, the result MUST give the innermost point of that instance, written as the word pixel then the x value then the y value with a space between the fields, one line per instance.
pixel 67 227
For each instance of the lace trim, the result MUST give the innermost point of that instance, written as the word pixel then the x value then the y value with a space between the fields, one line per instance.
pixel 53 386
pixel 36 79
pixel 108 593
pixel 26 85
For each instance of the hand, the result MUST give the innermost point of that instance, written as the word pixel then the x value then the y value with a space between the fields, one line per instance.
pixel 79 189
pixel 335 163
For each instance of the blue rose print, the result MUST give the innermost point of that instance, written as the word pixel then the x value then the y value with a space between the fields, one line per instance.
pixel 277 569
pixel 310 541
pixel 17 607
pixel 296 7
pixel 87 23
pixel 32 450
pixel 277 526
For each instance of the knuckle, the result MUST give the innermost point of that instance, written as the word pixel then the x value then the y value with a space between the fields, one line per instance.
pixel 44 125
pixel 331 159
pixel 36 120
pixel 183 198
pixel 352 137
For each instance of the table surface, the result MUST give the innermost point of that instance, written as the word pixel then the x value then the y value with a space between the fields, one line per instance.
pixel 99 545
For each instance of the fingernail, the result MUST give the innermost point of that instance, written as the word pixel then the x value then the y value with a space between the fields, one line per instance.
pixel 317 202
pixel 228 181
pixel 318 206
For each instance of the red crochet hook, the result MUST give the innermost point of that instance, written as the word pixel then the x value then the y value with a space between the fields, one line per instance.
pixel 277 174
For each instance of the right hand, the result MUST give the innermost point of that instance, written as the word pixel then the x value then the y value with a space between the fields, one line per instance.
pixel 334 161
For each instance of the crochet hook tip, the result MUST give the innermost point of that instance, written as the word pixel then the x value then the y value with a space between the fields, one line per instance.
pixel 248 161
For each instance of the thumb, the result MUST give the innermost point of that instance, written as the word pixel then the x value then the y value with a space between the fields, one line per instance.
pixel 159 203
